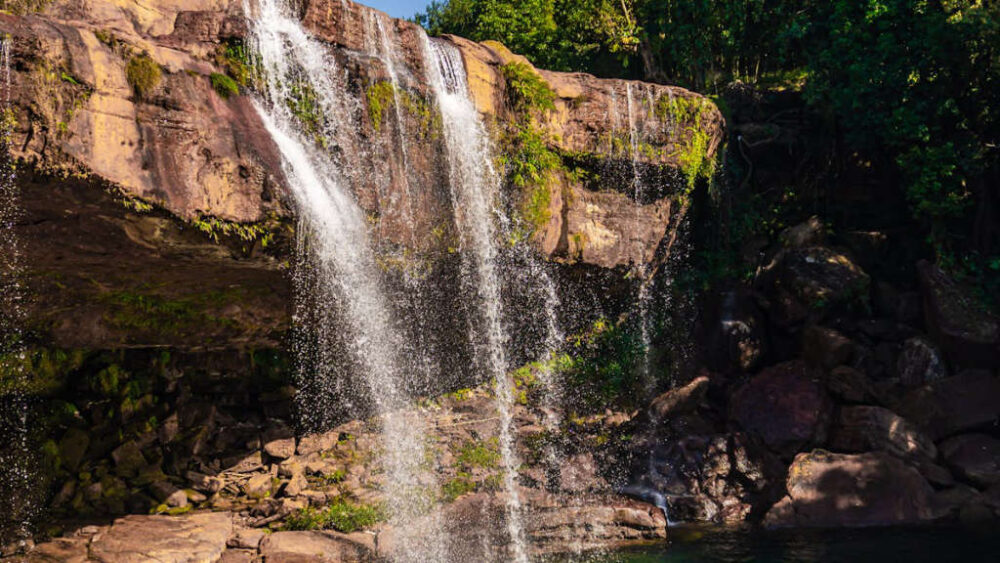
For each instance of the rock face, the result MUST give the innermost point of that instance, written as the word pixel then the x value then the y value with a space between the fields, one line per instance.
pixel 975 457
pixel 198 537
pixel 969 335
pixel 963 402
pixel 786 405
pixel 871 489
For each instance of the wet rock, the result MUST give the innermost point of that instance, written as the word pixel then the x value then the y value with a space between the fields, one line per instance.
pixel 579 473
pixel 864 428
pixel 843 490
pixel 785 405
pixel 974 457
pixel 901 306
pixel 316 547
pixel 681 400
pixel 716 478
pixel 919 362
pixel 963 402
pixel 969 336
pixel 192 537
pixel 826 348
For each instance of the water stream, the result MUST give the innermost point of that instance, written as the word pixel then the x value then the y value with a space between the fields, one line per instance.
pixel 475 196
pixel 344 270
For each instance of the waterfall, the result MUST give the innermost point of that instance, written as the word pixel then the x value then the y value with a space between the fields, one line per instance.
pixel 343 274
pixel 17 486
pixel 475 195
pixel 638 194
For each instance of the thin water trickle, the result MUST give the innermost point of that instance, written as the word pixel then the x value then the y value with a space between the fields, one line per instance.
pixel 475 196
pixel 644 299
pixel 15 452
pixel 343 274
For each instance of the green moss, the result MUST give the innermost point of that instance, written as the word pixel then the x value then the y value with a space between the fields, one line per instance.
pixel 140 311
pixel 479 454
pixel 224 85
pixel 36 371
pixel 304 105
pixel 527 91
pixel 240 63
pixel 143 74
pixel 382 96
pixel 461 394
pixel 23 7
pixel 690 116
pixel 460 485
pixel 216 228
pixel 342 516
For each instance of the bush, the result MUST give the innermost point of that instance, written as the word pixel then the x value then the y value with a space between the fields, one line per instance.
pixel 342 516
pixel 526 90
pixel 143 74
pixel 224 85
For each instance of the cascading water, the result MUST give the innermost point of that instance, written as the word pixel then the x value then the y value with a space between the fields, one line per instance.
pixel 16 484
pixel 344 275
pixel 638 193
pixel 475 193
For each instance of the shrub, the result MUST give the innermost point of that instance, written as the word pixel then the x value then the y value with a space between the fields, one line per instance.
pixel 143 74
pixel 526 90
pixel 342 516
pixel 224 85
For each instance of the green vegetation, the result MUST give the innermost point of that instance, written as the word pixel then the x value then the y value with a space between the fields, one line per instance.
pixel 146 311
pixel 383 96
pixel 461 484
pixel 224 85
pixel 343 516
pixel 239 62
pixel 247 232
pixel 143 74
pixel 23 7
pixel 526 90
pixel 485 455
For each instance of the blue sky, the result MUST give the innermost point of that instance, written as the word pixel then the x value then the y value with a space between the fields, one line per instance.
pixel 397 8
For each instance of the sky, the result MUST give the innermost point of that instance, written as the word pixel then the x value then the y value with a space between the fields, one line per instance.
pixel 397 8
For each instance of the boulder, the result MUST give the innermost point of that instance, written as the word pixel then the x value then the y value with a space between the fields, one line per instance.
pixel 968 334
pixel 974 457
pixel 316 547
pixel 849 490
pixel 258 487
pixel 128 459
pixel 734 332
pixel 716 478
pixel 813 281
pixel 963 402
pixel 681 400
pixel 192 537
pixel 826 348
pixel 811 232
pixel 919 362
pixel 850 385
pixel 168 494
pixel 785 405
pixel 864 428
pixel 73 446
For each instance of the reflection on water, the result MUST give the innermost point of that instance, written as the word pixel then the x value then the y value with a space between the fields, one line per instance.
pixel 909 545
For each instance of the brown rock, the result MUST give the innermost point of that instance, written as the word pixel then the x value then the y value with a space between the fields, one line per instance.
pixel 313 547
pixel 974 457
pixel 919 362
pixel 679 401
pixel 192 537
pixel 850 385
pixel 835 490
pixel 969 336
pixel 258 486
pixel 785 405
pixel 813 280
pixel 826 348
pixel 809 233
pixel 733 332
pixel 954 404
pixel 861 429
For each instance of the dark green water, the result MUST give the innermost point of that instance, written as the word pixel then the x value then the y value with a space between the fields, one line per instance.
pixel 906 545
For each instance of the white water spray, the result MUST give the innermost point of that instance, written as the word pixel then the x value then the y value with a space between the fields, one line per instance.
pixel 345 274
pixel 475 195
